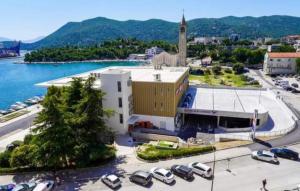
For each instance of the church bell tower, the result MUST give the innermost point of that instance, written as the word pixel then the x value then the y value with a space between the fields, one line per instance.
pixel 182 43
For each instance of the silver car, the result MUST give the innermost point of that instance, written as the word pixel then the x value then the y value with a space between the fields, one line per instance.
pixel 265 156
pixel 111 180
pixel 201 169
pixel 162 174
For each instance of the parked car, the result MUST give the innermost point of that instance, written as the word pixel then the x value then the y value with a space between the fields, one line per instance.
pixel 44 186
pixel 295 85
pixel 7 187
pixel 162 174
pixel 29 186
pixel 141 177
pixel 111 180
pixel 295 91
pixel 201 169
pixel 182 171
pixel 21 187
pixel 265 156
pixel 285 153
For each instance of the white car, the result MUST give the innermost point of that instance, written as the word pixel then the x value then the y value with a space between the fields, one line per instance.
pixel 44 186
pixel 162 174
pixel 111 180
pixel 201 169
pixel 265 156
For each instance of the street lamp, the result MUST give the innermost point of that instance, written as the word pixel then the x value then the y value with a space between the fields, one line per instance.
pixel 214 165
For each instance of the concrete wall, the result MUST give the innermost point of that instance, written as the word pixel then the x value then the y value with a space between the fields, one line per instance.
pixel 109 84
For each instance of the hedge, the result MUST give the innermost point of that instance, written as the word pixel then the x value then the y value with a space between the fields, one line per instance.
pixel 152 153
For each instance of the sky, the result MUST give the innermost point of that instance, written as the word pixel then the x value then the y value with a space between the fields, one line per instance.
pixel 29 19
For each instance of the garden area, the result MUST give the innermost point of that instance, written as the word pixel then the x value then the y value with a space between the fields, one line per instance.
pixel 150 152
pixel 218 76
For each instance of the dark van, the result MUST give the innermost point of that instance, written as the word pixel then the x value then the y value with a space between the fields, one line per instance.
pixel 182 171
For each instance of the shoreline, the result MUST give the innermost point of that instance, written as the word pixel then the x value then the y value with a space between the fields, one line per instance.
pixel 94 61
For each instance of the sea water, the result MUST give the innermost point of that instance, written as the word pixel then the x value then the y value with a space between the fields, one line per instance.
pixel 17 81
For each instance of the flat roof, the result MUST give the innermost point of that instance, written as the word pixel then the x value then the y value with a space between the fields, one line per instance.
pixel 220 99
pixel 138 74
pixel 284 54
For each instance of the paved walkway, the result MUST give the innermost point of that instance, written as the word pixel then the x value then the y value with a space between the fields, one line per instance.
pixel 32 109
pixel 122 167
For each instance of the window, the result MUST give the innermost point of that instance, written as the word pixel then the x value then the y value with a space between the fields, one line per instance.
pixel 278 60
pixel 271 59
pixel 120 102
pixel 129 82
pixel 121 118
pixel 119 86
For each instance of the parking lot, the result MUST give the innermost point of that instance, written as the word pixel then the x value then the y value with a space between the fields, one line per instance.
pixel 287 82
pixel 241 173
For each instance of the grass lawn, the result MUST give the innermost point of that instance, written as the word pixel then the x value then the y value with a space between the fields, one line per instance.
pixel 166 144
pixel 13 115
pixel 227 79
pixel 152 153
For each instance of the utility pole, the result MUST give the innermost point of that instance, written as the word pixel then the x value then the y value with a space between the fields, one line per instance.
pixel 213 174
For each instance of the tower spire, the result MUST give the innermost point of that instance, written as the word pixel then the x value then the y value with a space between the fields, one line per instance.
pixel 183 22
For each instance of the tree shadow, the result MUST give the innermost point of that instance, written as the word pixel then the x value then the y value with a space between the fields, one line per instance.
pixel 75 179
pixel 262 142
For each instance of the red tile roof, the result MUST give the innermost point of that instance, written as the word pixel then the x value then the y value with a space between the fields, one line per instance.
pixel 284 54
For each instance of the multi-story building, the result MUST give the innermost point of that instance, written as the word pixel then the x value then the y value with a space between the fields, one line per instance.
pixel 208 40
pixel 138 94
pixel 281 62
pixel 291 39
pixel 151 52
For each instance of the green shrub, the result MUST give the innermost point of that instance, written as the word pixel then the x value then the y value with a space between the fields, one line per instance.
pixel 23 156
pixel 216 69
pixel 207 72
pixel 228 70
pixel 152 153
pixel 4 159
pixel 28 138
pixel 238 68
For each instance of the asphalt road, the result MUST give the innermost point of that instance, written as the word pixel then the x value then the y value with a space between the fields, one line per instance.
pixel 242 173
pixel 20 124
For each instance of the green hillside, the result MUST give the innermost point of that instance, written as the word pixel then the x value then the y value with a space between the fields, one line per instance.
pixel 97 30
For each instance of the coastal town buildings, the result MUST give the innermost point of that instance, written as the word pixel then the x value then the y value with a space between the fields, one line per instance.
pixel 159 96
pixel 140 93
pixel 137 57
pixel 290 39
pixel 280 63
pixel 151 52
pixel 207 40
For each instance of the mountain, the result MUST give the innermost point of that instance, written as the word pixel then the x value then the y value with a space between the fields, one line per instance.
pixel 97 30
pixel 4 39
pixel 33 40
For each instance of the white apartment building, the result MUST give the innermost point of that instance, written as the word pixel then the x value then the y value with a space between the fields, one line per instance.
pixel 151 52
pixel 117 86
pixel 280 62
